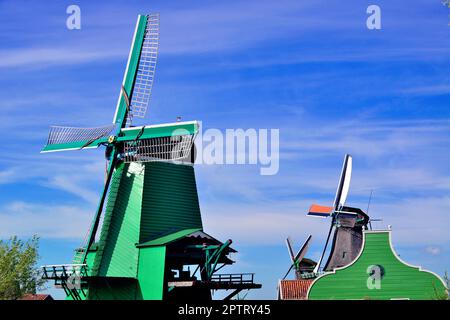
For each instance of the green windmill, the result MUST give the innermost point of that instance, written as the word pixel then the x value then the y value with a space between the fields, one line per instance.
pixel 151 244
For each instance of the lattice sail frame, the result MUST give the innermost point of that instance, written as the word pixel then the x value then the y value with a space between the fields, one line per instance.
pixel 170 148
pixel 60 134
pixel 145 75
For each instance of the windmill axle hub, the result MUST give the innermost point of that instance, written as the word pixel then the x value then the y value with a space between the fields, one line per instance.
pixel 112 139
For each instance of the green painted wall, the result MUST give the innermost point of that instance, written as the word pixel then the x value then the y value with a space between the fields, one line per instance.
pixel 114 289
pixel 151 272
pixel 117 255
pixel 90 258
pixel 170 201
pixel 397 280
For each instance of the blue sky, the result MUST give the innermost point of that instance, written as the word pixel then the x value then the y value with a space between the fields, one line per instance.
pixel 310 68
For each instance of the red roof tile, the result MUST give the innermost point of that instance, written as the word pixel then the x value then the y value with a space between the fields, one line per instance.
pixel 294 289
pixel 36 297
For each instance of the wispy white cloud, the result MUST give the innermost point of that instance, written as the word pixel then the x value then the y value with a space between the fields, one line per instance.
pixel 7 176
pixel 216 28
pixel 45 220
pixel 79 176
pixel 396 159
pixel 371 137
pixel 416 220
pixel 436 89
pixel 360 55
pixel 231 26
pixel 389 157
pixel 72 185
pixel 265 224
pixel 51 56
pixel 434 251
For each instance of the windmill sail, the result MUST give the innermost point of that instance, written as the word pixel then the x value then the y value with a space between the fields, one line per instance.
pixel 139 75
pixel 146 69
pixel 291 252
pixel 320 211
pixel 73 138
pixel 298 257
pixel 344 183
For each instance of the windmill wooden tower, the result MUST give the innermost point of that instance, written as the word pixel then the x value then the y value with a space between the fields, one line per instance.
pixel 151 232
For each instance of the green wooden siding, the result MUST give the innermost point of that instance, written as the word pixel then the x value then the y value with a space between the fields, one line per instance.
pixel 90 259
pixel 112 197
pixel 398 280
pixel 114 289
pixel 170 201
pixel 151 272
pixel 118 256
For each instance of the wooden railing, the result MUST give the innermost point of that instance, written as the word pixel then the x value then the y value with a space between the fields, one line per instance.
pixel 63 271
pixel 235 278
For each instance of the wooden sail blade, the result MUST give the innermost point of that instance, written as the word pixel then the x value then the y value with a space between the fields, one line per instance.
pixel 303 250
pixel 120 115
pixel 140 71
pixel 299 256
pixel 317 267
pixel 291 252
pixel 289 270
pixel 344 183
pixel 319 211
pixel 145 75
pixel 72 138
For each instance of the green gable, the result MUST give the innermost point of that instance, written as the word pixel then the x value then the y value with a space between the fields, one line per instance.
pixel 378 273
